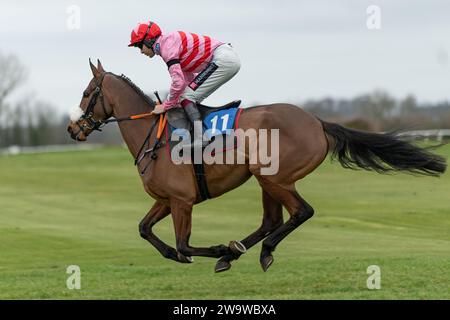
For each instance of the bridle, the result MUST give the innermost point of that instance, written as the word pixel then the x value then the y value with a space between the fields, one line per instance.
pixel 90 123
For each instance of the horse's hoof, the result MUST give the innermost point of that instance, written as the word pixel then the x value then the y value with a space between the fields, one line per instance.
pixel 184 259
pixel 171 254
pixel 222 265
pixel 266 262
pixel 237 247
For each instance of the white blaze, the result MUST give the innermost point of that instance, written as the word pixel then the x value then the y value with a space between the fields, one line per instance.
pixel 76 113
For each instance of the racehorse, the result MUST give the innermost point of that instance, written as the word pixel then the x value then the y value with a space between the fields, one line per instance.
pixel 304 142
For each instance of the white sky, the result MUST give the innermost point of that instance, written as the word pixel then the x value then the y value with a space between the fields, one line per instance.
pixel 290 50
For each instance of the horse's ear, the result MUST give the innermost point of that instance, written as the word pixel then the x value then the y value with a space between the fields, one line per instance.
pixel 100 67
pixel 95 72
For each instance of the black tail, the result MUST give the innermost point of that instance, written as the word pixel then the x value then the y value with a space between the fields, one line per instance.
pixel 381 152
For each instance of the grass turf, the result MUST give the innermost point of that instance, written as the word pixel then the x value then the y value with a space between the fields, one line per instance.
pixel 83 208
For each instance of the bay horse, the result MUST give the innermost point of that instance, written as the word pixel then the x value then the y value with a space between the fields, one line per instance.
pixel 304 142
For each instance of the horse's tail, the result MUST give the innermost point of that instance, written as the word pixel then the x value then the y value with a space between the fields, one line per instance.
pixel 380 152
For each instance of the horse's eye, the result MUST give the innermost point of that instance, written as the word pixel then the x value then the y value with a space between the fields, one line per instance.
pixel 85 94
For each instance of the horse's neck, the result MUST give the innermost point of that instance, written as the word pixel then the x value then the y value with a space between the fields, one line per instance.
pixel 127 102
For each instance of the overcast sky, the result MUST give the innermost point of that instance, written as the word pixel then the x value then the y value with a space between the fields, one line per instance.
pixel 290 50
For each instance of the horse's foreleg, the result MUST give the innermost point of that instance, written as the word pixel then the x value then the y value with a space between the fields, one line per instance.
pixel 158 212
pixel 182 220
pixel 272 219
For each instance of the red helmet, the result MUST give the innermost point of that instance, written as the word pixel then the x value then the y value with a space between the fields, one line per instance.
pixel 144 31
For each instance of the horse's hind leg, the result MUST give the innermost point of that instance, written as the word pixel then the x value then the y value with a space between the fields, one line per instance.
pixel 272 219
pixel 299 211
pixel 158 212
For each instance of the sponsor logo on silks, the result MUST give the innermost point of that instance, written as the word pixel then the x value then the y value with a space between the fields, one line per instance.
pixel 202 76
pixel 220 122
pixel 193 85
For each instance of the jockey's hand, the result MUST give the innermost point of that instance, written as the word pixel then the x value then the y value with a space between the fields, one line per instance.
pixel 158 109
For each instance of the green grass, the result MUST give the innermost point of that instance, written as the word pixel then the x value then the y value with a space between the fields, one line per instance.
pixel 83 208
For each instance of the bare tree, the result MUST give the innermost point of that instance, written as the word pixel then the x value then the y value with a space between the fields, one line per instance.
pixel 377 105
pixel 408 105
pixel 12 74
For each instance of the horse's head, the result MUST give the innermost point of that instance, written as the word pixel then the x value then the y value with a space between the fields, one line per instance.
pixel 93 108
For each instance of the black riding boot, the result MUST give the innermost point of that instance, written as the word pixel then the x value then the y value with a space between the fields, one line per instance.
pixel 196 119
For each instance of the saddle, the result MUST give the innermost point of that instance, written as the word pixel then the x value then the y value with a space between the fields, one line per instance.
pixel 178 119
pixel 206 110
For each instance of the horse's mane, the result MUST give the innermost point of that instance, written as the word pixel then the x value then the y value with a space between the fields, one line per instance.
pixel 137 89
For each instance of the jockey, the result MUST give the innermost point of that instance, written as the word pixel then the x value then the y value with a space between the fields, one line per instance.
pixel 198 66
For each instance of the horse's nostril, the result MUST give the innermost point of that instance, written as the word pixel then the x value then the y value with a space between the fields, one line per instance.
pixel 70 131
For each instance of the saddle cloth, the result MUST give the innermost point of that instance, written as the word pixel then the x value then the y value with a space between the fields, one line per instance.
pixel 217 124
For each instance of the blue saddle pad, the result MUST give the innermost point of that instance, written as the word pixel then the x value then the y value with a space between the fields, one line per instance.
pixel 216 124
pixel 220 122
